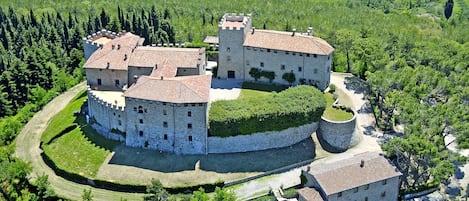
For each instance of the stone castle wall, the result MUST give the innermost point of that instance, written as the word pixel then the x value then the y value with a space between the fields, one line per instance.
pixel 106 114
pixel 341 135
pixel 261 141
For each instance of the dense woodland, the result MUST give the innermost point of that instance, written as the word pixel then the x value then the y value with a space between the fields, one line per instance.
pixel 412 54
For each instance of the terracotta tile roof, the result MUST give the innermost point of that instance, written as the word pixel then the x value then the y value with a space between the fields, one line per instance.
pixel 183 89
pixel 115 57
pixel 145 56
pixel 310 194
pixel 338 176
pixel 278 40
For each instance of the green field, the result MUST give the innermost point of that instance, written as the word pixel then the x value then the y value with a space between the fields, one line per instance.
pixel 335 114
pixel 82 150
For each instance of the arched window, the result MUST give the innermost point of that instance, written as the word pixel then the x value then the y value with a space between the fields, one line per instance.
pixel 140 109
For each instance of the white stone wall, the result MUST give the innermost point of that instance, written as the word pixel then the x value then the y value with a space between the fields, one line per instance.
pixel 106 114
pixel 89 47
pixel 313 68
pixel 108 78
pixel 170 120
pixel 137 71
pixel 261 141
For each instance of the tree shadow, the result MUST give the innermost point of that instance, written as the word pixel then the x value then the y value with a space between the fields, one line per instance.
pixel 357 85
pixel 257 161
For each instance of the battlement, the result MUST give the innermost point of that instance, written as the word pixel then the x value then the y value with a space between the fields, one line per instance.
pixel 103 102
pixel 101 37
pixel 235 21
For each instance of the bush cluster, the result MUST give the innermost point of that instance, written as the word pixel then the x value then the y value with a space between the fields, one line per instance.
pixel 293 107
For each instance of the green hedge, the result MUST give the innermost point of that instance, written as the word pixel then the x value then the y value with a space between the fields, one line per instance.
pixel 293 107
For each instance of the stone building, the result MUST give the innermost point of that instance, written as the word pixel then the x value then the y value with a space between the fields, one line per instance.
pixel 157 96
pixel 365 177
pixel 243 47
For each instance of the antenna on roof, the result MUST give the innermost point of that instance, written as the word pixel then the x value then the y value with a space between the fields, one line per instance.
pixel 362 163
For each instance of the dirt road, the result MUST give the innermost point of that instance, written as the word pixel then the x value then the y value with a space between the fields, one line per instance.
pixel 27 148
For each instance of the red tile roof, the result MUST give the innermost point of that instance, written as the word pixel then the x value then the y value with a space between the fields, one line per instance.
pixel 114 58
pixel 279 40
pixel 338 176
pixel 310 194
pixel 183 89
pixel 145 56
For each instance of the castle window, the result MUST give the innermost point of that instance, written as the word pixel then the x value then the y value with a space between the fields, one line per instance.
pixel 262 64
pixel 300 69
pixel 268 50
pixel 165 136
pixel 315 55
pixel 116 82
pixel 355 190
pixel 248 48
pixel 307 55
pixel 200 104
pixel 384 182
pixel 293 53
pixel 300 54
pixel 99 82
pixel 383 194
pixel 339 194
pixel 114 114
pixel 145 110
pixel 119 122
pixel 228 49
pixel 141 121
pixel 140 109
pixel 190 138
pixel 164 103
pixel 275 51
pixel 282 67
pixel 165 124
pixel 193 104
pixel 185 104
pixel 189 114
pixel 367 186
pixel 140 133
pixel 366 198
pixel 287 52
pixel 329 57
pixel 189 126
pixel 255 49
pixel 165 112
pixel 135 109
pixel 262 50
pixel 315 71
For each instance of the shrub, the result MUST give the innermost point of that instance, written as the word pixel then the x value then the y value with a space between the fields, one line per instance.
pixel 289 77
pixel 293 107
pixel 332 88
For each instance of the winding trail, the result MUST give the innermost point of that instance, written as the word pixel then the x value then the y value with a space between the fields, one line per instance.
pixel 27 148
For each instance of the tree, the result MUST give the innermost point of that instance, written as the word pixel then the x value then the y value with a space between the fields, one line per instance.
pixel 344 39
pixel 289 77
pixel 223 195
pixel 200 195
pixel 43 187
pixel 255 73
pixel 87 195
pixel 156 191
pixel 449 8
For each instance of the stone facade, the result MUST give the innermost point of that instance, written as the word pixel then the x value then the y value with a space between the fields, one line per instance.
pixel 261 141
pixel 237 57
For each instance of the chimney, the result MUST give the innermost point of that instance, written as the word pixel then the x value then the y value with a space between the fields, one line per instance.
pixel 113 46
pixel 161 77
pixel 125 57
pixel 108 64
pixel 156 66
pixel 253 30
pixel 362 163
pixel 118 46
pixel 294 30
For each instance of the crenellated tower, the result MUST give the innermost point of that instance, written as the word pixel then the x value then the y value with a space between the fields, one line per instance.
pixel 231 32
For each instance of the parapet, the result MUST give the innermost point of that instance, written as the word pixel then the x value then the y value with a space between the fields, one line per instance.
pixel 235 21
pixel 93 38
pixel 93 97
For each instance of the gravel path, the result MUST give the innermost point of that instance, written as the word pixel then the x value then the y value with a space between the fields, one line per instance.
pixel 27 148
pixel 351 94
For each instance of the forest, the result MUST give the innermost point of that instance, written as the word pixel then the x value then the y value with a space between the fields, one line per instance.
pixel 412 54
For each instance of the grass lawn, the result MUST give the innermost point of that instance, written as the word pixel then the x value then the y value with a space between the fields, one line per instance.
pixel 82 150
pixel 64 118
pixel 250 89
pixel 335 114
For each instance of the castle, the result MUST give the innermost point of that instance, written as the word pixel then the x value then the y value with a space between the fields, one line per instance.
pixel 159 97
pixel 242 47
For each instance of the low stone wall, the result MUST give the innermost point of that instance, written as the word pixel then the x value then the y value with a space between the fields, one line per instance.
pixel 340 135
pixel 107 133
pixel 261 141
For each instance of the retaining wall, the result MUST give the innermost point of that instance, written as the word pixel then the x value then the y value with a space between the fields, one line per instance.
pixel 261 141
pixel 341 135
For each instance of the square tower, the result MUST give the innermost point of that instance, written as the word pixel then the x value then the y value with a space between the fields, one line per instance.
pixel 231 33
